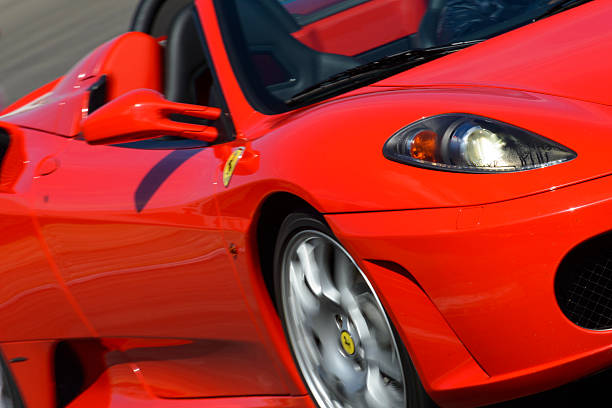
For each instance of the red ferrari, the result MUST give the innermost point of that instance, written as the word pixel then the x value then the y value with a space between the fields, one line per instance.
pixel 313 203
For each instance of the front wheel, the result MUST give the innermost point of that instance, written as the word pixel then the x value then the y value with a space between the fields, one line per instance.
pixel 345 347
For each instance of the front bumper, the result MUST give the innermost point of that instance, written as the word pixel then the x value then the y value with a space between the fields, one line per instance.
pixel 472 290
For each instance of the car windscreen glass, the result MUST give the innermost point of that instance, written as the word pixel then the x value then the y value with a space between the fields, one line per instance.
pixel 309 11
pixel 282 49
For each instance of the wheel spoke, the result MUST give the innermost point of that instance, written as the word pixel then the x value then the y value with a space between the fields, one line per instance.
pixel 344 271
pixel 307 302
pixel 311 351
pixel 376 320
pixel 385 360
pixel 323 254
pixel 380 394
pixel 309 267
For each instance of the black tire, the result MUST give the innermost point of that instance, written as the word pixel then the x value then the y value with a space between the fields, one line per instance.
pixel 296 223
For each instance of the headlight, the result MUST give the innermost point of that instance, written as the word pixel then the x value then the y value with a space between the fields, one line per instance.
pixel 472 144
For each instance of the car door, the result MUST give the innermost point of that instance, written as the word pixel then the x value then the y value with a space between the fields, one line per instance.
pixel 33 302
pixel 135 236
pixel 134 231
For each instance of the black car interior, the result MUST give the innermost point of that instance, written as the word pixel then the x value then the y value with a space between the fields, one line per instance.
pixel 187 78
pixel 272 48
pixel 274 64
pixel 427 35
pixel 270 63
pixel 155 16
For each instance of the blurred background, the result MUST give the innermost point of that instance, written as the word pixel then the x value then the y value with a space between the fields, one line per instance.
pixel 41 39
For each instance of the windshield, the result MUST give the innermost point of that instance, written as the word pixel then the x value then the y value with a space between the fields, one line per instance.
pixel 283 49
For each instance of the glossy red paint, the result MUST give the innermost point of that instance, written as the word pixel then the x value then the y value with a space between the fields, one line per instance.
pixel 456 375
pixel 153 243
pixel 127 64
pixel 130 246
pixel 34 95
pixel 37 292
pixel 144 114
pixel 382 185
pixel 504 312
pixel 120 387
pixel 560 59
pixel 120 384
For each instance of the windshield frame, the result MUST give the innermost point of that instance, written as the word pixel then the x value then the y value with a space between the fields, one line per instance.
pixel 256 94
pixel 233 40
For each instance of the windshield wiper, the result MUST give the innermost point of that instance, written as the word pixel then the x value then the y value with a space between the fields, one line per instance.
pixel 372 72
pixel 560 7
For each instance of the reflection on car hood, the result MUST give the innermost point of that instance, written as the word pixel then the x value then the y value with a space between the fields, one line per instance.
pixel 565 55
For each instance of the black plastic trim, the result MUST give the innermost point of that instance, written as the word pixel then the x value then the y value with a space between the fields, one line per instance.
pixel 395 47
pixel 97 94
pixel 397 268
pixel 574 273
pixel 283 16
pixel 18 360
pixel 5 143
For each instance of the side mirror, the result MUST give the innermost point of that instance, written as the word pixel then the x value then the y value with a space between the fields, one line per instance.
pixel 145 114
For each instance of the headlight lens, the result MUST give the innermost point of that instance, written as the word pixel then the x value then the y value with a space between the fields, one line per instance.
pixel 473 144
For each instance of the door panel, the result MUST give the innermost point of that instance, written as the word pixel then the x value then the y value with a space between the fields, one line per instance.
pixel 136 237
pixel 34 303
pixel 153 266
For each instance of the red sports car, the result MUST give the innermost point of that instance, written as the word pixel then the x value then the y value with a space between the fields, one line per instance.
pixel 331 203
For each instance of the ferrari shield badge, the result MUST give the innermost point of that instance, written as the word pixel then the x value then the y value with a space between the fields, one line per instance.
pixel 347 343
pixel 230 165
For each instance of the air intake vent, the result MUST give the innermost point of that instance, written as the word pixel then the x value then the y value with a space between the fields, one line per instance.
pixel 583 284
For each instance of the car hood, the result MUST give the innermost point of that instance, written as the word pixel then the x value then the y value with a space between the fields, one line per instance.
pixel 565 55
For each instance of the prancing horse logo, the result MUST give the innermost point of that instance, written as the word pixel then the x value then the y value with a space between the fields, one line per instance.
pixel 347 343
pixel 230 165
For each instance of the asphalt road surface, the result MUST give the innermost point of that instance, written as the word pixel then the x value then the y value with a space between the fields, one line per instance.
pixel 41 39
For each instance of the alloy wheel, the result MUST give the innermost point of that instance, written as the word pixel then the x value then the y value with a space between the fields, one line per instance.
pixel 338 330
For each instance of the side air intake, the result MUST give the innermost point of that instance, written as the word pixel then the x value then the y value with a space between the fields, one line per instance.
pixel 583 284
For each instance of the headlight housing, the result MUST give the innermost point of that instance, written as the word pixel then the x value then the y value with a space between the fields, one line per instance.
pixel 473 144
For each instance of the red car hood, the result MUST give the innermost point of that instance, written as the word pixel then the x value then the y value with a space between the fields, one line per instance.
pixel 568 55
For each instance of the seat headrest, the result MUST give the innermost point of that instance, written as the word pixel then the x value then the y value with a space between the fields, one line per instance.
pixel 184 59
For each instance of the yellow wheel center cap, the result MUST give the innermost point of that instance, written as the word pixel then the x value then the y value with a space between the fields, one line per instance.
pixel 347 343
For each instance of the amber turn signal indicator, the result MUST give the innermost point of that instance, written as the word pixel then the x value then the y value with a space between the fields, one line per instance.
pixel 424 146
